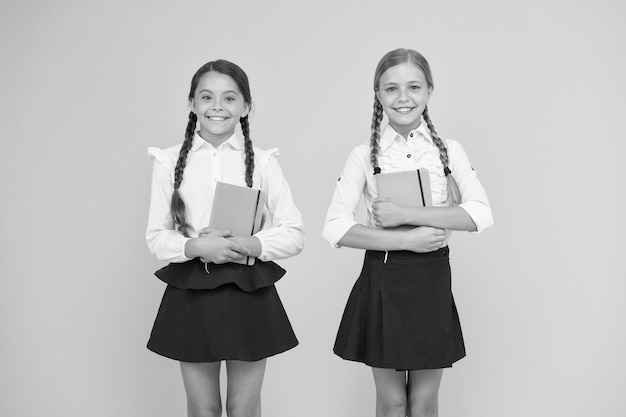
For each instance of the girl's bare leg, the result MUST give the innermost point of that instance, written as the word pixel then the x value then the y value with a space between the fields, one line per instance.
pixel 423 392
pixel 391 391
pixel 245 380
pixel 202 385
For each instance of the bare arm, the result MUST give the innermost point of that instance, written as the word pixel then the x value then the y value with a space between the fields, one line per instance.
pixel 252 243
pixel 388 214
pixel 215 246
pixel 453 218
pixel 419 239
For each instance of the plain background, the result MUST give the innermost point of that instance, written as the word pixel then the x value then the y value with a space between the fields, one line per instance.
pixel 534 91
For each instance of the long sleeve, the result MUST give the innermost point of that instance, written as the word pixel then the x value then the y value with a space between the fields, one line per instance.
pixel 284 236
pixel 345 201
pixel 473 195
pixel 164 242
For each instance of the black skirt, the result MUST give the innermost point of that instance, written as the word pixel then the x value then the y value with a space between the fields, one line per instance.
pixel 401 313
pixel 231 313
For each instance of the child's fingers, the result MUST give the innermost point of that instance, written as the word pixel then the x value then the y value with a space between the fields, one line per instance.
pixel 236 255
pixel 233 256
pixel 207 231
pixel 434 230
pixel 235 247
pixel 440 239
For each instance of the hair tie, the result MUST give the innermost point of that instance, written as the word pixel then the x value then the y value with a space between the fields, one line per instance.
pixel 447 171
pixel 376 170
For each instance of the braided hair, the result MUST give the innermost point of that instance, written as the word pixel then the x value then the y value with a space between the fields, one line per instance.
pixel 222 66
pixel 443 151
pixel 391 59
pixel 245 128
pixel 177 205
pixel 454 194
pixel 375 138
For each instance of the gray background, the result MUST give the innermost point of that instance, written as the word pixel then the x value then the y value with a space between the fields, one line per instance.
pixel 534 90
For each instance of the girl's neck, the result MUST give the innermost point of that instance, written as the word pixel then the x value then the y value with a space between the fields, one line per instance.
pixel 404 130
pixel 215 140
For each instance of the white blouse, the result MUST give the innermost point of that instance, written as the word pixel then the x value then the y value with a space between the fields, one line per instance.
pixel 282 234
pixel 398 154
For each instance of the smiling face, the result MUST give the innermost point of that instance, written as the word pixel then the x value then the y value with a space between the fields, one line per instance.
pixel 403 92
pixel 219 104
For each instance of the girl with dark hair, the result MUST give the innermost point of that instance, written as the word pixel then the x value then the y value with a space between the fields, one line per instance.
pixel 214 309
pixel 400 318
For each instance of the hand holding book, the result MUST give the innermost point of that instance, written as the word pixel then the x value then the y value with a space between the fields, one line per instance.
pixel 240 211
pixel 389 214
pixel 398 194
pixel 252 243
pixel 214 246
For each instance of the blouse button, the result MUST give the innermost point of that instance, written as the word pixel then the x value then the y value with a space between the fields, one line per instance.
pixel 408 155
pixel 411 135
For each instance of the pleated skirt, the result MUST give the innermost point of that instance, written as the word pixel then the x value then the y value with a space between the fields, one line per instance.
pixel 221 320
pixel 401 313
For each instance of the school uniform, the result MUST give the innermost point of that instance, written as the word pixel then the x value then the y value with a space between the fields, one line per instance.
pixel 401 312
pixel 220 311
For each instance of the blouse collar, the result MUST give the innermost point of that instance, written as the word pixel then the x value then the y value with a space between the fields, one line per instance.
pixel 235 142
pixel 389 135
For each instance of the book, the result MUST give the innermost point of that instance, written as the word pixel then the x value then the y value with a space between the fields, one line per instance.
pixel 238 209
pixel 408 188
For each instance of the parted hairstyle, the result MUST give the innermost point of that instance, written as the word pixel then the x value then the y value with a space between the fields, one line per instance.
pixel 391 59
pixel 241 79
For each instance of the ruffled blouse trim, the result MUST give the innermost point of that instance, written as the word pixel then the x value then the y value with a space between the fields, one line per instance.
pixel 157 154
pixel 427 156
pixel 265 156
pixel 166 157
pixel 192 275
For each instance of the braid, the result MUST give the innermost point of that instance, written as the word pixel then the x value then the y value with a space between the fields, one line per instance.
pixel 454 194
pixel 245 128
pixel 377 117
pixel 178 205
pixel 443 152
